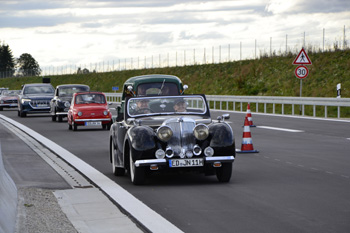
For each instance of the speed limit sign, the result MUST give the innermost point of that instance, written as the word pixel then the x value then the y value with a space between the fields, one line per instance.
pixel 301 72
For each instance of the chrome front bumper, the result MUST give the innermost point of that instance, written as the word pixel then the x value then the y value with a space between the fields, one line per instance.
pixel 207 160
pixel 85 120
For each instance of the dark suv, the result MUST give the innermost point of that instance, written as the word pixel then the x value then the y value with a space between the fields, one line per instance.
pixel 35 98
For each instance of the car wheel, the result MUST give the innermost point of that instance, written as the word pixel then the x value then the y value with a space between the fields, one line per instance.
pixel 75 127
pixel 137 174
pixel 104 126
pixel 53 118
pixel 1 108
pixel 22 114
pixel 18 113
pixel 117 171
pixel 60 118
pixel 224 172
pixel 109 126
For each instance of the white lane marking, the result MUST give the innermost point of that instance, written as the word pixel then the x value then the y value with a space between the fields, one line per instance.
pixel 281 129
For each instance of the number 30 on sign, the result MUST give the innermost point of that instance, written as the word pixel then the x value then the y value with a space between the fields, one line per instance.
pixel 301 72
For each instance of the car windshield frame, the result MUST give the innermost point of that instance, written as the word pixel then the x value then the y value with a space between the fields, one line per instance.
pixel 40 89
pixel 89 98
pixel 10 92
pixel 164 105
pixel 68 91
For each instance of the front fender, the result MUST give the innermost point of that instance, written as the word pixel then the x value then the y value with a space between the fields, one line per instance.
pixel 222 139
pixel 141 138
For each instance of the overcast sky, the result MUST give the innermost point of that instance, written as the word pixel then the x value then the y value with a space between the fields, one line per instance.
pixel 58 33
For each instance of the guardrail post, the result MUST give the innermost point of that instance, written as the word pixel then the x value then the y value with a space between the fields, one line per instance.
pixel 293 109
pixel 273 108
pixel 314 110
pixel 338 111
pixel 264 107
pixel 282 109
pixel 325 111
pixel 257 107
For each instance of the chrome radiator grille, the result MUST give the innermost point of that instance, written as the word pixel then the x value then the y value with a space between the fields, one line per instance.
pixel 183 139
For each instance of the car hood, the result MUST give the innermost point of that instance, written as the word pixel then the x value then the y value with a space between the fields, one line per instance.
pixel 38 96
pixel 91 107
pixel 8 98
pixel 158 120
pixel 65 98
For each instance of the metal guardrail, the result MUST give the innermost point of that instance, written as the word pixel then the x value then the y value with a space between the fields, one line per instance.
pixel 269 103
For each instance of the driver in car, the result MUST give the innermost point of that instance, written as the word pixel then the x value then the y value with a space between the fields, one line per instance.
pixel 142 107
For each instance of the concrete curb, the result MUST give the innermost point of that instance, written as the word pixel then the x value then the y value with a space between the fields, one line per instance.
pixel 8 200
pixel 146 217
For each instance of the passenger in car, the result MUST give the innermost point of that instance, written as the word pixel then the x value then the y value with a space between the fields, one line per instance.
pixel 180 105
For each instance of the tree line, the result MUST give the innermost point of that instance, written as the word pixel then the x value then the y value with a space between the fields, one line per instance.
pixel 23 66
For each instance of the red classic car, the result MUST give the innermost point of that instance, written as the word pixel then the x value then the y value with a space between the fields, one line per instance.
pixel 8 99
pixel 89 109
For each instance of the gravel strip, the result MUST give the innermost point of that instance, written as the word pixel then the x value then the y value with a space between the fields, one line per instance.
pixel 39 212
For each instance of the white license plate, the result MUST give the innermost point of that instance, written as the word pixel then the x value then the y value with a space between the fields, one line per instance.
pixel 92 123
pixel 186 162
pixel 42 105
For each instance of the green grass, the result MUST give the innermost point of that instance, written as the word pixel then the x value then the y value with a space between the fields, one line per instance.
pixel 267 76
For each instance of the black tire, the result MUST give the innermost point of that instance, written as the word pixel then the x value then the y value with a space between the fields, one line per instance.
pixel 109 126
pixel 60 118
pixel 53 118
pixel 1 108
pixel 224 172
pixel 137 174
pixel 104 126
pixel 117 171
pixel 22 114
pixel 18 113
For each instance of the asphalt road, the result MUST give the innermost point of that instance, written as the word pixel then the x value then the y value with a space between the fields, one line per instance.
pixel 298 182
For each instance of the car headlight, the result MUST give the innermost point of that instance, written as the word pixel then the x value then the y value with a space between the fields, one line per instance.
pixel 209 151
pixel 160 154
pixel 66 104
pixel 25 100
pixel 80 113
pixel 201 131
pixel 105 112
pixel 164 133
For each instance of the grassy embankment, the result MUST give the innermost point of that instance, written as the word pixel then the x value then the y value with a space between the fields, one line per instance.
pixel 265 76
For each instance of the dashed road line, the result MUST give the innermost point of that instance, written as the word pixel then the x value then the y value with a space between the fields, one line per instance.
pixel 281 129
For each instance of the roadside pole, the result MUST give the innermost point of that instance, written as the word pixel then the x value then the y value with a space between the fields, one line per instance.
pixel 301 71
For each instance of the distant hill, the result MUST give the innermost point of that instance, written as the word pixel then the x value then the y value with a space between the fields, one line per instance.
pixel 267 76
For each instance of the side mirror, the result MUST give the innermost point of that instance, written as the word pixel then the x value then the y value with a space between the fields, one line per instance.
pixel 223 117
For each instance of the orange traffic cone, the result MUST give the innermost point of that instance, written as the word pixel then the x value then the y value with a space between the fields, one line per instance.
pixel 247 143
pixel 249 116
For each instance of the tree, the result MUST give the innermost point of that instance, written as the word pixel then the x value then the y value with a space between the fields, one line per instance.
pixel 28 66
pixel 7 62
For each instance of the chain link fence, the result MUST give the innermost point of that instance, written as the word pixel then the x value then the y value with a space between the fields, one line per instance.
pixel 246 49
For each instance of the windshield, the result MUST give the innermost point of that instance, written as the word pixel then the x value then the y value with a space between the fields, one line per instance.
pixel 90 98
pixel 167 105
pixel 47 89
pixel 69 91
pixel 10 92
pixel 162 88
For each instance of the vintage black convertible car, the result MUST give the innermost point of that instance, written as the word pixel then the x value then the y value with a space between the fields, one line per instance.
pixel 171 133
